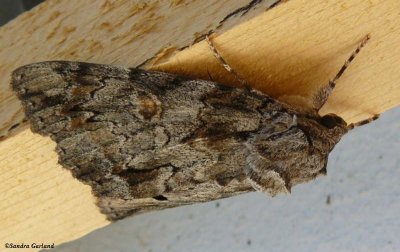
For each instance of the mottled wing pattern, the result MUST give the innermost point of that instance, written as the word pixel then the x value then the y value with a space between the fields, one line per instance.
pixel 141 139
pixel 148 140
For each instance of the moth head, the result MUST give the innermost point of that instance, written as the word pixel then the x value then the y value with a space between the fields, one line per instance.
pixel 322 132
pixel 334 128
pixel 331 121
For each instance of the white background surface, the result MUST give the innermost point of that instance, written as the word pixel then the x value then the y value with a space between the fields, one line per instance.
pixel 363 184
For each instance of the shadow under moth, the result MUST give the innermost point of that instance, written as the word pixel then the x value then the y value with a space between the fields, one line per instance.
pixel 147 140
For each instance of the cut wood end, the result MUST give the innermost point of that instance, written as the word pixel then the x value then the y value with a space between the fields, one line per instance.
pixel 41 195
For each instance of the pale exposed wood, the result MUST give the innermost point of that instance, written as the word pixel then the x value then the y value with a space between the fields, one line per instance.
pixel 287 52
pixel 292 50
pixel 40 202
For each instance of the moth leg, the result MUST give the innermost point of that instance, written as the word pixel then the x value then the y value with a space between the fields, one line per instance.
pixel 322 95
pixel 363 122
pixel 224 64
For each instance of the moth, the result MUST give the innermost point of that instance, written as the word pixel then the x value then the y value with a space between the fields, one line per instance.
pixel 147 140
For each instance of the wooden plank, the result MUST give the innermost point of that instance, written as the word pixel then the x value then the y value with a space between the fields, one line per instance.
pixel 40 202
pixel 287 52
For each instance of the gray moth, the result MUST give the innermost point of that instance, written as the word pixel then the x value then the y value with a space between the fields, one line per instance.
pixel 146 140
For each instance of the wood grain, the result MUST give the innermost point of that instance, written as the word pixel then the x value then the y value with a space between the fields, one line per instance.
pixel 287 52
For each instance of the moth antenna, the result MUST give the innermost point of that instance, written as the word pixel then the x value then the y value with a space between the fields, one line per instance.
pixel 363 122
pixel 322 95
pixel 227 67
